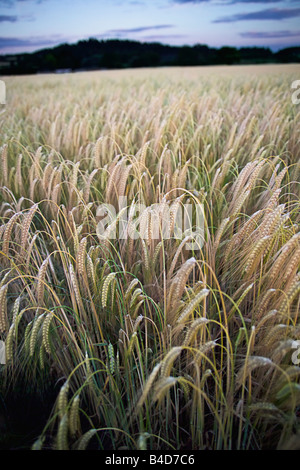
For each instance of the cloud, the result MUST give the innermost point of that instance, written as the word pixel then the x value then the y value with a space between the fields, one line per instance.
pixel 10 18
pixel 6 42
pixel 268 14
pixel 124 32
pixel 191 1
pixel 164 36
pixel 229 2
pixel 139 29
pixel 269 34
pixel 13 2
pixel 14 18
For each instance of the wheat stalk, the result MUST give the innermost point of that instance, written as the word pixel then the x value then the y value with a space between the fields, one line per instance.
pixel 163 386
pixel 193 329
pixel 34 333
pixel 192 305
pixel 169 359
pixel 85 439
pixel 105 288
pixel 74 419
pixel 62 400
pixel 3 308
pixel 41 281
pixel 26 224
pixel 45 331
pixel 251 363
pixel 148 385
pixel 62 434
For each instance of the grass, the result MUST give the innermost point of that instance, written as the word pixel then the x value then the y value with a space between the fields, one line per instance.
pixel 152 343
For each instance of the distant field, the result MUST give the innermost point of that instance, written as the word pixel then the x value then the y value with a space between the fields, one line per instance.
pixel 149 259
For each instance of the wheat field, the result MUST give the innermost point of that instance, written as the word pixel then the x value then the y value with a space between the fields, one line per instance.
pixel 153 342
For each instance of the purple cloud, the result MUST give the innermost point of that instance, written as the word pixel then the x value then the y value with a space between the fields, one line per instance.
pixel 139 29
pixel 28 42
pixel 269 14
pixel 270 34
pixel 228 2
pixel 10 18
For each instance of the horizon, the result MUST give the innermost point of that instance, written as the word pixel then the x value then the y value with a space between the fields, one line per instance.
pixel 141 42
pixel 32 25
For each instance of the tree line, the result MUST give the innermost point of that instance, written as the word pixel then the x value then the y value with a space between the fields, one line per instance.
pixel 93 54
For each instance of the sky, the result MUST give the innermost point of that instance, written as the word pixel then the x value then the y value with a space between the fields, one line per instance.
pixel 29 25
